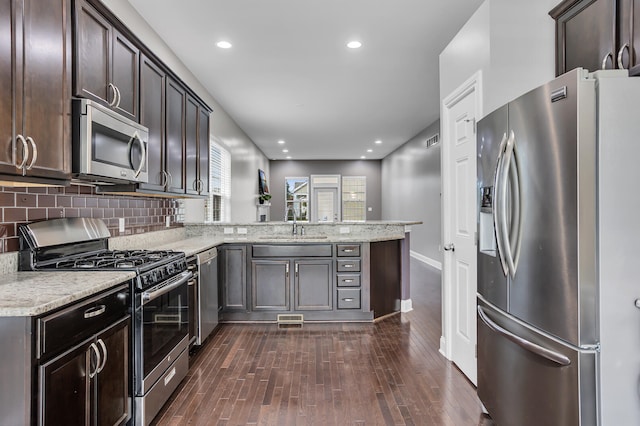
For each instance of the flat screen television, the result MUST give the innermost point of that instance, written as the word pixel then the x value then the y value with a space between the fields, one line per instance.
pixel 263 188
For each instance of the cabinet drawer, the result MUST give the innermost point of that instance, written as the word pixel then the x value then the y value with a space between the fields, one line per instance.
pixel 348 298
pixel 351 265
pixel 293 250
pixel 348 250
pixel 70 325
pixel 348 280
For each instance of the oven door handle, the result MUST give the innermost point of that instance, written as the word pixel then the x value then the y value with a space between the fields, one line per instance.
pixel 166 287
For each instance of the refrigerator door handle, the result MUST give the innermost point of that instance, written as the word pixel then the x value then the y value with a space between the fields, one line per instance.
pixel 559 359
pixel 512 233
pixel 496 211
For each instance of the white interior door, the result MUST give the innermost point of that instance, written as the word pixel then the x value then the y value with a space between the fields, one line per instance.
pixel 325 201
pixel 459 194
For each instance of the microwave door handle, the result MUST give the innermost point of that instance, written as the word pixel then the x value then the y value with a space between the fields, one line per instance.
pixel 134 138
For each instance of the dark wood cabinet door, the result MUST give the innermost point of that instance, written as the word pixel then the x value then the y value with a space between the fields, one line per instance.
pixel 313 285
pixel 234 278
pixel 7 141
pixel 46 91
pixel 66 393
pixel 175 129
pixel 93 55
pixel 629 42
pixel 586 36
pixel 152 104
pixel 270 285
pixel 191 146
pixel 113 396
pixel 203 150
pixel 125 75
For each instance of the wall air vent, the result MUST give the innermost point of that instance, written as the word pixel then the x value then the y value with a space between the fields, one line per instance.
pixel 433 140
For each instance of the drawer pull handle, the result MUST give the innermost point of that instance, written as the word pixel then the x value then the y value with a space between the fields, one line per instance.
pixel 348 250
pixel 349 299
pixel 95 311
pixel 348 265
pixel 348 281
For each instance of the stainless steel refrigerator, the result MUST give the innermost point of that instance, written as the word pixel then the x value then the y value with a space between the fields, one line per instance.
pixel 558 254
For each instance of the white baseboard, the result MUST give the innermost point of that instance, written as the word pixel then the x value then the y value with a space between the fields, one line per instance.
pixel 443 347
pixel 424 259
pixel 406 306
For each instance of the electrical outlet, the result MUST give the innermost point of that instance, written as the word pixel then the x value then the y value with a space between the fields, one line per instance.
pixel 242 231
pixel 168 221
pixel 370 209
pixel 228 230
pixel 121 224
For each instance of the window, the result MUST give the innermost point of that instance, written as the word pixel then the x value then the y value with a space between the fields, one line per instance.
pixel 354 198
pixel 218 207
pixel 296 198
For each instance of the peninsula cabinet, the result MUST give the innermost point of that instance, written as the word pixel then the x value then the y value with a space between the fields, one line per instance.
pixel 35 90
pixel 313 286
pixel 233 277
pixel 270 285
pixel 106 66
pixel 597 34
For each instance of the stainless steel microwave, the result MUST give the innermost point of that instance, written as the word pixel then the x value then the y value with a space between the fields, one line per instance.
pixel 108 147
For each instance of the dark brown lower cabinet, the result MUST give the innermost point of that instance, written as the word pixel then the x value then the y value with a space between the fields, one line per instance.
pixel 386 277
pixel 88 384
pixel 313 285
pixel 270 285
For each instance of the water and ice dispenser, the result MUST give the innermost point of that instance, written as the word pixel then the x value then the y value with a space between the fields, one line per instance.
pixel 486 230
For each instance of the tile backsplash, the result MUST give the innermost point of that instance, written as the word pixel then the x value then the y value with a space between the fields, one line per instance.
pixel 23 205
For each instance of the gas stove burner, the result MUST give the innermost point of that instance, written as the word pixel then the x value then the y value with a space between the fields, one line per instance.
pixel 84 263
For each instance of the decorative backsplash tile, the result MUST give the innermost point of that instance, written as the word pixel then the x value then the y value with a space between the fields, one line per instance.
pixel 23 205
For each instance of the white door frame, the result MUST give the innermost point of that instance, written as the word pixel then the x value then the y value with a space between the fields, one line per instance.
pixel 474 83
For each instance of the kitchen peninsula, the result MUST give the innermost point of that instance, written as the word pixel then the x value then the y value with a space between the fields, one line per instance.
pixel 351 271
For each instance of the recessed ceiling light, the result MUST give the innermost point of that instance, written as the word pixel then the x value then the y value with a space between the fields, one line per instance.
pixel 362 157
pixel 354 44
pixel 285 150
pixel 223 44
pixel 369 150
pixel 281 142
pixel 378 142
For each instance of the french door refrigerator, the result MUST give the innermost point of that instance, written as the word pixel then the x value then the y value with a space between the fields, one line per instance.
pixel 558 257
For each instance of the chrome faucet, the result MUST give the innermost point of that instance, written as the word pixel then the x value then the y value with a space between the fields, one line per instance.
pixel 294 229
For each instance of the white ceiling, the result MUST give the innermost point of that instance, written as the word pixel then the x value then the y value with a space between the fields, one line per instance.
pixel 290 76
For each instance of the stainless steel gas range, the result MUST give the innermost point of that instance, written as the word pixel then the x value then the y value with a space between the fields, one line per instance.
pixel 159 307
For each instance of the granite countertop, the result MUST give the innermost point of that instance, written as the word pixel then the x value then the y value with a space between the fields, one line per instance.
pixel 35 293
pixel 195 245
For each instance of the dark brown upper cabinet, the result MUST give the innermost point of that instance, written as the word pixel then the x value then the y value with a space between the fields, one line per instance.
pixel 176 97
pixel 152 105
pixel 35 90
pixel 597 34
pixel 178 134
pixel 197 148
pixel 106 66
pixel 204 129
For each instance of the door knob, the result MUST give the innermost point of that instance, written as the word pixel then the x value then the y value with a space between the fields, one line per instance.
pixel 638 303
pixel 450 247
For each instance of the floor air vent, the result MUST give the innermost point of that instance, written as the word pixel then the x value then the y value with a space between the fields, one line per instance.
pixel 290 319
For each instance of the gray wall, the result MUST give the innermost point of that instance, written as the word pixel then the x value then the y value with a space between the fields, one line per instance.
pixel 246 157
pixel 511 42
pixel 411 191
pixel 291 168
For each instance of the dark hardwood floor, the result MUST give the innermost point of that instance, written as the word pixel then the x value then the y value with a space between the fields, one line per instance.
pixel 388 373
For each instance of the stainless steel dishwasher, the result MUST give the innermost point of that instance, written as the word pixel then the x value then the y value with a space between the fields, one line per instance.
pixel 208 293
